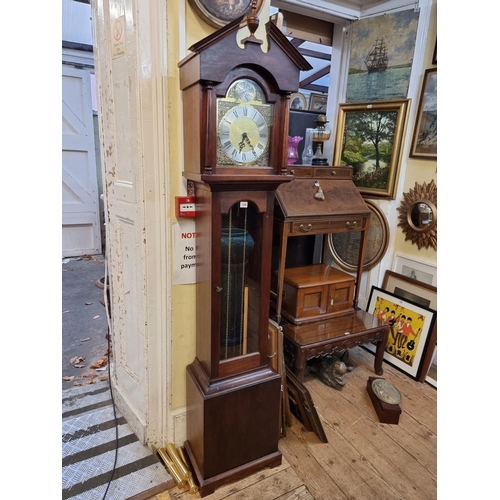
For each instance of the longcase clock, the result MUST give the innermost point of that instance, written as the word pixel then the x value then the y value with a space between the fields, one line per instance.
pixel 235 114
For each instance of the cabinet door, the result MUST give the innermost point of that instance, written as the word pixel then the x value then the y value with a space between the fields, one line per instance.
pixel 340 296
pixel 311 301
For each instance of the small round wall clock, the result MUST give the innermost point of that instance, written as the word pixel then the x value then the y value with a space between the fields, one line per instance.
pixel 218 13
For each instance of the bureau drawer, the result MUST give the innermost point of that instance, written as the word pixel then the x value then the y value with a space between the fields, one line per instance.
pixel 324 226
pixel 299 171
pixel 333 172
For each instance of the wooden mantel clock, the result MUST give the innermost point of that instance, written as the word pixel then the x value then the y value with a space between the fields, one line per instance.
pixel 235 113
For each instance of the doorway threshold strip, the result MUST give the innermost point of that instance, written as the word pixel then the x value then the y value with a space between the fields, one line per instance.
pixel 88 451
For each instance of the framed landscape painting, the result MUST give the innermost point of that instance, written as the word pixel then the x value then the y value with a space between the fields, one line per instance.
pixel 370 139
pixel 424 143
pixel 411 327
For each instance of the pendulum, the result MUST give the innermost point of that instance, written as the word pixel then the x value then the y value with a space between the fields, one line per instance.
pixel 237 244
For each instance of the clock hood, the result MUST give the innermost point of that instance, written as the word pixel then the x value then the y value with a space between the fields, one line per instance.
pixel 205 63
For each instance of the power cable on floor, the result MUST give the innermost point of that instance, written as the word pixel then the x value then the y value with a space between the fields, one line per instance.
pixel 106 306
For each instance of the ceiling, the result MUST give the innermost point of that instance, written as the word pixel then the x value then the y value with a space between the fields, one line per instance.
pixel 337 10
pixel 323 11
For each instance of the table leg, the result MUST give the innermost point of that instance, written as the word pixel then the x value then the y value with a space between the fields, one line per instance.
pixel 379 352
pixel 299 365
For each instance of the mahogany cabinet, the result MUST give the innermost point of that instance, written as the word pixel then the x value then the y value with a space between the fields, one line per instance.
pixel 317 292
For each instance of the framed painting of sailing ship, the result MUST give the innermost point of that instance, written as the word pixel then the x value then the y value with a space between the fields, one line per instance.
pixel 424 143
pixel 411 327
pixel 381 56
pixel 370 139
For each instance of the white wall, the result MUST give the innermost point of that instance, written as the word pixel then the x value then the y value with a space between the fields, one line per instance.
pixel 76 22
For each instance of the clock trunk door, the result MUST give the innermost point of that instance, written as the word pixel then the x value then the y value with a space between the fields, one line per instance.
pixel 241 268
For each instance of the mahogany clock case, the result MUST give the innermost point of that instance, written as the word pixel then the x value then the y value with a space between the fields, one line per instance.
pixel 233 395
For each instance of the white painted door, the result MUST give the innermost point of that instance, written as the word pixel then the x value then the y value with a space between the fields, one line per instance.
pixel 81 233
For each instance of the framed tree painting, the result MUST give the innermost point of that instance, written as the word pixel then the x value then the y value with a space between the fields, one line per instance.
pixel 411 328
pixel 370 139
pixel 424 142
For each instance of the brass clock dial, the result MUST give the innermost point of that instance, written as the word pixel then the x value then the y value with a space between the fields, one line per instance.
pixel 243 134
pixel 244 126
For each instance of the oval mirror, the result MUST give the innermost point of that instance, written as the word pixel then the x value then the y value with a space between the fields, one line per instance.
pixel 422 215
pixel 344 247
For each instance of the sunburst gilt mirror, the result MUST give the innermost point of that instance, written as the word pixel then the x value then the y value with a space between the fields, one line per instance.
pixel 418 215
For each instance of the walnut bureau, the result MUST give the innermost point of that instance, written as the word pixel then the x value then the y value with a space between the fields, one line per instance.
pixel 322 200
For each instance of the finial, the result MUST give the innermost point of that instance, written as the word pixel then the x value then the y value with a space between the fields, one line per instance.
pixel 253 22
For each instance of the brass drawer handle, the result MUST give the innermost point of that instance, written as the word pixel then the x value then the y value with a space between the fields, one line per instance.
pixel 305 229
pixel 333 172
pixel 352 225
pixel 292 171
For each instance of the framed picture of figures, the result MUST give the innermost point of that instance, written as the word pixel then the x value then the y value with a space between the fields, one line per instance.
pixel 411 328
pixel 426 296
pixel 298 101
pixel 415 268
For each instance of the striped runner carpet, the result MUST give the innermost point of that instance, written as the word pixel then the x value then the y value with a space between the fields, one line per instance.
pixel 89 441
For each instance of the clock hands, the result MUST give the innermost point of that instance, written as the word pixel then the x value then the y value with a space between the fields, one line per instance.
pixel 244 139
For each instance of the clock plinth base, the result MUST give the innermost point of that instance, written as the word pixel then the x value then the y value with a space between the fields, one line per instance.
pixel 208 486
pixel 387 413
pixel 232 424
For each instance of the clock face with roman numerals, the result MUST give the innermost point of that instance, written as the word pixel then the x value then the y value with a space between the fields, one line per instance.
pixel 243 134
pixel 244 126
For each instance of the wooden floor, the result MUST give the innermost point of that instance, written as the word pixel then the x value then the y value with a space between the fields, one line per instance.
pixel 363 458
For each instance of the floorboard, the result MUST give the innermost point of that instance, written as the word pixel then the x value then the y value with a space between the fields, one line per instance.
pixel 363 459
